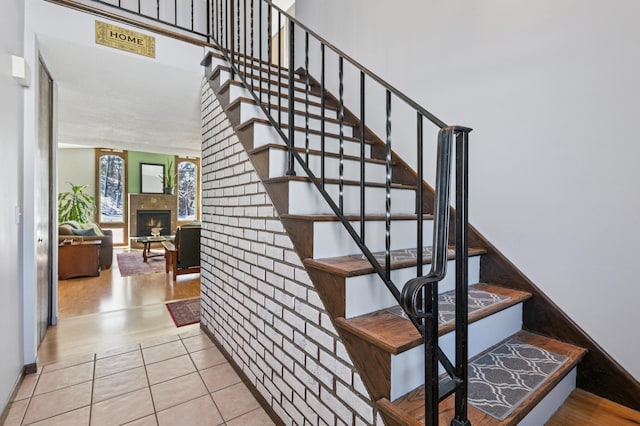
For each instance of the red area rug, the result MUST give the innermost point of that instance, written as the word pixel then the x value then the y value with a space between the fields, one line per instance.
pixel 133 264
pixel 185 312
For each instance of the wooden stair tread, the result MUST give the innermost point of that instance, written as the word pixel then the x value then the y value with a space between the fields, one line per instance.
pixel 336 181
pixel 409 409
pixel 586 409
pixel 284 126
pixel 351 218
pixel 351 266
pixel 395 334
pixel 266 147
pixel 236 102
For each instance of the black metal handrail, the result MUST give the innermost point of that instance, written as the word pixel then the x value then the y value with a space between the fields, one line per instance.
pixel 236 39
pixel 147 9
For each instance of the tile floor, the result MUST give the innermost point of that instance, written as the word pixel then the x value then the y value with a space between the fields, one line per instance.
pixel 171 380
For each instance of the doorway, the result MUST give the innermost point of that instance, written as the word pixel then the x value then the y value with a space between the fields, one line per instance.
pixel 44 203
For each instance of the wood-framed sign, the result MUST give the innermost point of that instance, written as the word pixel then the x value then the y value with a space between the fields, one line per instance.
pixel 124 39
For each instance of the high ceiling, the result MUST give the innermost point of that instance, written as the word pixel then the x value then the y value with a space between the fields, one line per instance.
pixel 112 100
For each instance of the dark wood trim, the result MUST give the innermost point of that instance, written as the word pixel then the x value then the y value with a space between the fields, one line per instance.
pixel 129 21
pixel 245 379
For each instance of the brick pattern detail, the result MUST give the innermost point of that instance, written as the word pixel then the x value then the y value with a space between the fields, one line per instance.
pixel 256 298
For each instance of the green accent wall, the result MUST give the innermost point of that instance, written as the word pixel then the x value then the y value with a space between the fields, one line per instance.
pixel 133 169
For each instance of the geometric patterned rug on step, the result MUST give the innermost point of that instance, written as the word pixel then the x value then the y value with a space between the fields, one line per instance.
pixel 504 377
pixel 478 299
pixel 401 255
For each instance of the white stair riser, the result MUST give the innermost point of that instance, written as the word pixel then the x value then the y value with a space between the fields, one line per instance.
pixel 284 78
pixel 367 293
pixel 373 172
pixel 304 198
pixel 283 90
pixel 331 239
pixel 250 110
pixel 237 91
pixel 543 411
pixel 264 134
pixel 407 368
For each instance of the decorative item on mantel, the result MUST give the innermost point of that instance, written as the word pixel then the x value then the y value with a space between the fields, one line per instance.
pixel 169 178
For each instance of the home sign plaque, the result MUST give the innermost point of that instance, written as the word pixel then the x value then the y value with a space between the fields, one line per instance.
pixel 124 39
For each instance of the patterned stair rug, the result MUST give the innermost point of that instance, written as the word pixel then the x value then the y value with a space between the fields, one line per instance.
pixel 185 312
pixel 504 377
pixel 478 300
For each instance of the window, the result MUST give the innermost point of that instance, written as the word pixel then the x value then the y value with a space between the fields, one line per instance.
pixel 111 181
pixel 188 192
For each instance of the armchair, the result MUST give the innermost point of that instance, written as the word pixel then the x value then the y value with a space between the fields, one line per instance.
pixel 182 256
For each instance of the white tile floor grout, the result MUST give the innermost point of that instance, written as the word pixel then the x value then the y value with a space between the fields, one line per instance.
pixel 172 380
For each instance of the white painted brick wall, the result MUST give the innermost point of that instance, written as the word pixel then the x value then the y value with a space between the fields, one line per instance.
pixel 257 298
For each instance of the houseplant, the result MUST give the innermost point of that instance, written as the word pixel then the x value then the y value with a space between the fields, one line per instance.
pixel 76 205
pixel 169 178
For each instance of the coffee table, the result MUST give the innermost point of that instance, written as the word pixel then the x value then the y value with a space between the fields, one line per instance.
pixel 147 241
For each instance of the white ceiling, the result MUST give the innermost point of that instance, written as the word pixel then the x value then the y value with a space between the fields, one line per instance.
pixel 113 100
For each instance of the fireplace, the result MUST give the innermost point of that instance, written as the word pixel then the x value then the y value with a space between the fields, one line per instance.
pixel 148 219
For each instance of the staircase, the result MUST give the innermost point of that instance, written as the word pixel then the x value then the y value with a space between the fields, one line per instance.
pixel 384 345
pixel 516 375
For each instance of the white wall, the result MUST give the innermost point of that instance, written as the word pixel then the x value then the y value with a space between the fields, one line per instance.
pixel 78 166
pixel 11 28
pixel 551 89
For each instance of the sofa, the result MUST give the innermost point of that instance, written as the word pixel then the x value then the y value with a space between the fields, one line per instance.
pixel 89 232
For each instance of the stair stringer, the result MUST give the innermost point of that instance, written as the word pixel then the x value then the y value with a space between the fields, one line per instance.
pixel 257 298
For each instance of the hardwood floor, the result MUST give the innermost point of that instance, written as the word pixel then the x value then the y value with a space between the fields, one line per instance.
pixel 586 409
pixel 100 313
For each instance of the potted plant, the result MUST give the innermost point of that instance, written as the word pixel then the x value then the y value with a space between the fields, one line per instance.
pixel 169 178
pixel 76 205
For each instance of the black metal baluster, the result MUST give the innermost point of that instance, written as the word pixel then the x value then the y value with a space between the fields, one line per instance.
pixel 175 11
pixel 419 196
pixel 227 29
pixel 292 145
pixel 245 38
pixel 139 10
pixel 306 93
pixel 322 112
pixel 462 274
pixel 238 32
pixel 251 44
pixel 341 123
pixel 220 29
pixel 431 355
pixel 269 58
pixel 279 82
pixel 387 222
pixel 260 49
pixel 191 15
pixel 362 158
pixel 158 9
